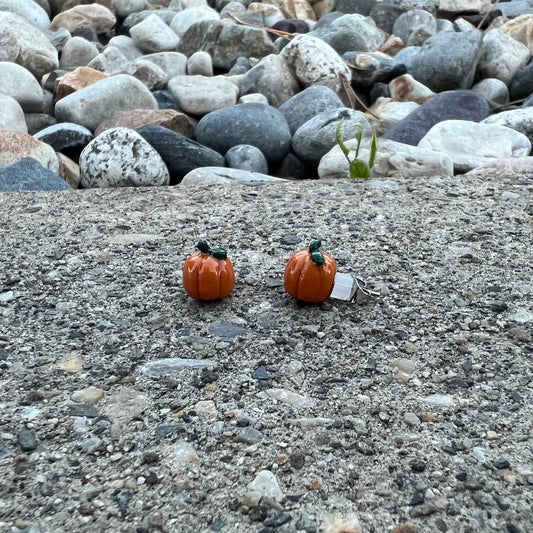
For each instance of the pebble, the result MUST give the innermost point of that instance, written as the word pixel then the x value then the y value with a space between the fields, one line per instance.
pixel 264 485
pixel 249 435
pixel 88 395
pixel 30 175
pixel 246 157
pixel 173 367
pixel 181 455
pixel 27 440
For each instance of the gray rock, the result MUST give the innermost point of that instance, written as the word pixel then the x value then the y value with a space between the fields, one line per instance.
pixel 173 367
pixel 415 27
pixel 226 176
pixel 28 10
pixel 65 135
pixel 469 144
pixel 522 84
pixel 153 77
pixel 29 175
pixel 249 435
pixel 27 440
pixel 200 64
pixel 246 157
pixel 35 52
pixel 110 60
pixel 271 77
pixel 38 121
pixel 120 157
pixel 448 60
pixel 308 103
pixel 192 15
pixel 493 90
pixel 371 67
pixel 351 33
pixel 501 56
pixel 127 47
pixel 90 105
pixel 171 63
pixel 456 7
pixel 200 95
pixel 362 7
pixel 166 15
pixel 464 105
pixel 517 119
pixel 407 55
pixel 385 12
pixel 317 136
pixel 77 52
pixel 60 38
pixel 515 8
pixel 180 154
pixel 260 125
pixel 393 160
pixel 390 113
pixel 126 7
pixel 225 42
pixel 315 62
pixel 12 116
pixel 152 35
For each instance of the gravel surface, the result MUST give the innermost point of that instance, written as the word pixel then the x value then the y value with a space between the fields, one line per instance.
pixel 409 414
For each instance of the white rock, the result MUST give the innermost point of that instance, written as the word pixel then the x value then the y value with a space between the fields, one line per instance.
pixel 469 144
pixel 517 119
pixel 90 395
pixel 393 160
pixel 257 98
pixel 443 400
pixel 181 455
pixel 120 157
pixel 200 95
pixel 492 89
pixel 291 398
pixel 389 112
pixel 29 10
pixel 77 52
pixel 501 56
pixel 12 116
pixel 460 6
pixel 173 367
pixel 266 485
pixel 111 60
pixel 152 35
pixel 126 7
pixel 226 176
pixel 171 63
pixel 406 89
pixel 315 62
pixel 127 47
pixel 186 18
pixel 200 64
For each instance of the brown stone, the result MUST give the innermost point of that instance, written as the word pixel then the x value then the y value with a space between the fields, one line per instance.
pixel 69 4
pixel 404 528
pixel 168 118
pixel 69 170
pixel 520 29
pixel 96 16
pixel 76 80
pixel 15 145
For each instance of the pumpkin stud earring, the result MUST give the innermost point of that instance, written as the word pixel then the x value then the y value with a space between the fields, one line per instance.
pixel 310 274
pixel 208 274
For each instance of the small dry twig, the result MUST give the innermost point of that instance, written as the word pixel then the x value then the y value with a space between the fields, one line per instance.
pixel 279 33
pixel 353 96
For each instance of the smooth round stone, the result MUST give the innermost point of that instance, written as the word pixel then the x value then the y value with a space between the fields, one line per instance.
pixel 147 72
pixel 271 77
pixel 520 120
pixel 15 145
pixel 171 63
pixel 515 8
pixel 292 26
pixel 469 144
pixel 406 89
pixel 415 27
pixel 226 176
pixel 28 10
pixel 12 116
pixel 407 55
pixel 120 157
pixel 186 18
pixel 317 136
pixel 225 42
pixel 260 125
pixel 372 67
pixel 65 135
pixel 91 105
pixel 76 80
pixel 494 90
pixel 200 64
pixel 200 95
pixel 29 175
pixel 111 60
pixel 448 105
pixel 522 84
pixel 308 103
pixel 253 98
pixel 126 7
pixel 268 15
pixel 315 62
pixel 456 7
pixel 448 60
pixel 351 33
pixel 153 35
pixel 38 121
pixel 60 38
pixel 393 160
pixel 98 17
pixel 246 157
pixel 166 15
pixel 521 29
pixel 34 50
pixel 180 154
pixel 501 56
pixel 127 47
pixel 77 52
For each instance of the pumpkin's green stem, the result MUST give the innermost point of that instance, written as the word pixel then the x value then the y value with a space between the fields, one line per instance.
pixel 203 246
pixel 316 256
pixel 219 253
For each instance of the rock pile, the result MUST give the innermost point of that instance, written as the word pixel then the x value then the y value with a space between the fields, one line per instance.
pixel 146 92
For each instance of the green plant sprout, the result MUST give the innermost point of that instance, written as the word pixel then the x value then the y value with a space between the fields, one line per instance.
pixel 358 168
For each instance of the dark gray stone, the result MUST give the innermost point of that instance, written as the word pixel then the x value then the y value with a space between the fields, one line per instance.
pixel 373 67
pixel 386 12
pixel 292 26
pixel 29 175
pixel 227 330
pixel 407 55
pixel 522 84
pixel 165 100
pixel 249 435
pixel 328 19
pixel 362 7
pixel 65 135
pixel 247 157
pixel 415 27
pixel 225 42
pixel 241 66
pixel 27 440
pixel 448 60
pixel 449 105
pixel 291 167
pixel 259 125
pixel 308 103
pixel 4 452
pixel 317 136
pixel 84 409
pixel 180 154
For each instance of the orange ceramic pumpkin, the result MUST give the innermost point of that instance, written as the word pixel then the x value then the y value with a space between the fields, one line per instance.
pixel 309 274
pixel 208 274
